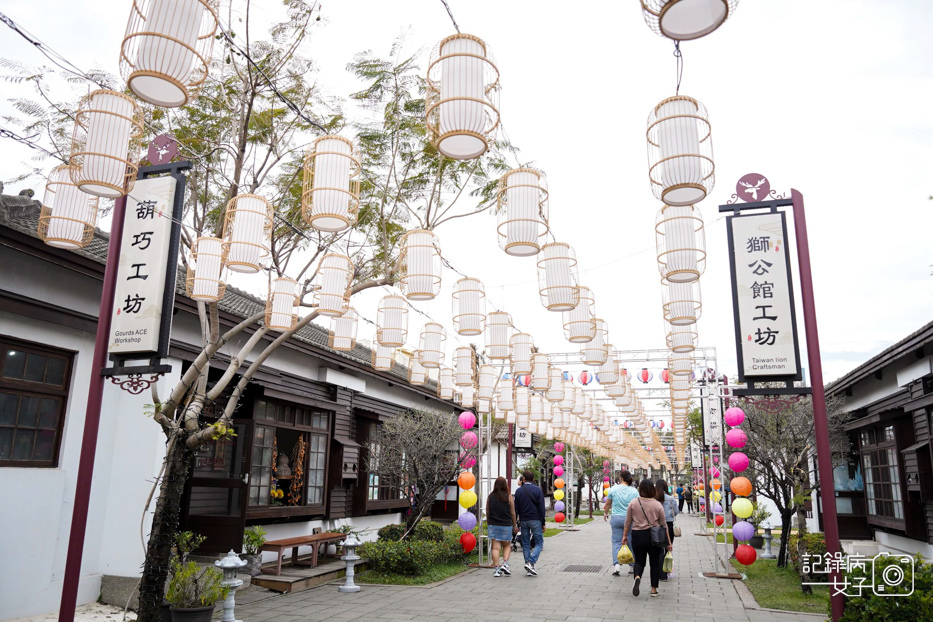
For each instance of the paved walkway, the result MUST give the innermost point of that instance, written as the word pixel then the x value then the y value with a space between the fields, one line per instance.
pixel 553 595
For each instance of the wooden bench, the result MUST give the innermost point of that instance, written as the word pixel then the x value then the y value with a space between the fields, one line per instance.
pixel 313 540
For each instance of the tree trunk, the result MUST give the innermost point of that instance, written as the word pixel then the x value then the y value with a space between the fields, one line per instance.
pixel 164 528
pixel 799 494
pixel 590 499
pixel 786 517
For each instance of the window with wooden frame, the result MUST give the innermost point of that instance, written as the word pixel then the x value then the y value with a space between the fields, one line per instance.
pixel 381 492
pixel 34 382
pixel 882 476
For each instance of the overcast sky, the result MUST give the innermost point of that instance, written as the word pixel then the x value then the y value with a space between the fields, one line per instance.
pixel 831 98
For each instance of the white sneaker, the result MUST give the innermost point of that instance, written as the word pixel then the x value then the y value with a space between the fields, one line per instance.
pixel 616 570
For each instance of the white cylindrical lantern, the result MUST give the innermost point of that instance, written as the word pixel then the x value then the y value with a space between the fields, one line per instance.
pixel 461 110
pixel 420 265
pixel 333 281
pixel 68 215
pixel 617 390
pixel 464 366
pixel 445 384
pixel 483 407
pixel 608 372
pixel 522 211
pixel 680 364
pixel 105 144
pixel 487 381
pixel 522 400
pixel 498 333
pixel 205 275
pixel 469 307
pixel 343 330
pixel 566 404
pixel 433 337
pixel 248 232
pixel 557 277
pixel 467 396
pixel 383 359
pixel 281 304
pixel 683 20
pixel 682 339
pixel 522 421
pixel 536 407
pixel 682 303
pixel 680 151
pixel 540 372
pixel 330 191
pixel 595 352
pixel 392 322
pixel 579 402
pixel 579 323
pixel 681 243
pixel 166 52
pixel 506 394
pixel 417 374
pixel 521 345
pixel 511 417
pixel 555 393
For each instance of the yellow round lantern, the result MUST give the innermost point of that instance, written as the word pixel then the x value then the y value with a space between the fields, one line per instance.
pixel 559 482
pixel 742 507
pixel 715 496
pixel 467 498
pixel 558 495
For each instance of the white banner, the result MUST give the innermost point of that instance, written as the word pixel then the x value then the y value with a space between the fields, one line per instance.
pixel 763 297
pixel 144 261
pixel 711 406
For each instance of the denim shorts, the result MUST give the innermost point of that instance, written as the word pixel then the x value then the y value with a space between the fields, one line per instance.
pixel 502 533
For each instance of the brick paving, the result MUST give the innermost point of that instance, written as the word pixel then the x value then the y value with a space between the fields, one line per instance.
pixel 551 596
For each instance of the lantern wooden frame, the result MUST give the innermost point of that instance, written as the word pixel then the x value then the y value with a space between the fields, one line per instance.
pixel 105 144
pixel 540 372
pixel 483 406
pixel 282 301
pixel 343 331
pixel 323 188
pixel 466 397
pixel 682 339
pixel 682 303
pixel 206 284
pixel 487 381
pixel 522 401
pixel 523 221
pixel 681 243
pixel 522 348
pixel 506 398
pixel 595 352
pixel 558 277
pixel 680 151
pixel 334 274
pixel 247 232
pixel 464 366
pixel 608 372
pixel 469 307
pixel 417 374
pixel 382 358
pixel 657 11
pixel 680 364
pixel 579 402
pixel 445 383
pixel 68 216
pixel 536 407
pixel 392 321
pixel 566 404
pixel 498 332
pixel 431 351
pixel 579 323
pixel 447 113
pixel 143 30
pixel 420 265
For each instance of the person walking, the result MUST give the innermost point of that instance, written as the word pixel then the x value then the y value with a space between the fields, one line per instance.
pixel 502 524
pixel 617 501
pixel 529 507
pixel 644 513
pixel 688 498
pixel 670 512
pixel 680 497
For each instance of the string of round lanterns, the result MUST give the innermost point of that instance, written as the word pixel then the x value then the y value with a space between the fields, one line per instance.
pixel 466 481
pixel 559 506
pixel 741 487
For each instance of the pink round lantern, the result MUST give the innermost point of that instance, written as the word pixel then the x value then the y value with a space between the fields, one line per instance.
pixel 467 420
pixel 585 378
pixel 468 440
pixel 714 472
pixel 736 438
pixel 559 447
pixel 644 375
pixel 734 416
pixel 738 462
pixel 558 460
pixel 715 459
pixel 558 471
pixel 605 463
pixel 467 461
pixel 606 479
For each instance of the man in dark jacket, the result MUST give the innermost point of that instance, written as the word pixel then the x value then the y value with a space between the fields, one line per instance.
pixel 529 509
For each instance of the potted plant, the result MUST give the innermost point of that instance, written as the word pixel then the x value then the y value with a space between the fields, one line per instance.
pixel 192 592
pixel 759 515
pixel 253 539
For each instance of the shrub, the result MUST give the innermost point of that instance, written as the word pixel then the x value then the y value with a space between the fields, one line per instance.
pixel 191 587
pixel 870 607
pixel 253 539
pixel 392 533
pixel 429 531
pixel 816 545
pixel 416 555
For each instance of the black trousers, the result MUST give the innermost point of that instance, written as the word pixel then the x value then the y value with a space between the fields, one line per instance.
pixel 680 505
pixel 642 550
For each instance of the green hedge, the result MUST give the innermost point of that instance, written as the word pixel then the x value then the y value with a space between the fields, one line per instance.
pixel 869 607
pixel 816 545
pixel 425 531
pixel 416 555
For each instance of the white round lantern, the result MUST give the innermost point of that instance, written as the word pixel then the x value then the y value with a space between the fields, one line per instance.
pixel 608 372
pixel 166 52
pixel 383 359
pixel 461 105
pixel 522 211
pixel 392 322
pixel 445 384
pixel 420 265
pixel 498 333
pixel 682 339
pixel 330 192
pixel 343 330
pixel 680 151
pixel 487 381
pixel 540 371
pixel 417 374
pixel 205 274
pixel 106 143
pixel 682 303
pixel 433 337
pixel 681 243
pixel 683 20
pixel 557 277
pixel 247 232
pixel 464 366
pixel 522 346
pixel 282 303
pixel 579 323
pixel 68 215
pixel 595 352
pixel 333 280
pixel 469 307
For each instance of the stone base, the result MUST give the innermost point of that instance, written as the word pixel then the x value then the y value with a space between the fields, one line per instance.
pixel 116 590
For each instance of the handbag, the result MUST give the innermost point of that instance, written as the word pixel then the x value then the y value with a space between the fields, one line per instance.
pixel 658 534
pixel 677 532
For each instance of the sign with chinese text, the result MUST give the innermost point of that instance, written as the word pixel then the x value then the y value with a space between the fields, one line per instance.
pixel 711 407
pixel 696 455
pixel 522 438
pixel 763 298
pixel 144 266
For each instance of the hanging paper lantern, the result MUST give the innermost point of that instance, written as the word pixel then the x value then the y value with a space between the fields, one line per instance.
pixel 558 495
pixel 660 425
pixel 333 279
pixel 627 424
pixel 467 461
pixel 468 440
pixel 719 520
pixel 579 323
pixel 167 49
pixel 559 483
pixel 468 542
pixel 644 376
pixel 559 517
pixel 606 485
pixel 330 191
pixel 464 366
pixel 716 484
pixel 462 93
pixel 608 372
pixel 469 307
pixel 433 337
pixel 585 377
pixel 392 322
pixel 248 235
pixel 541 371
pixel 522 208
pixel 467 521
pixel 717 508
pixel 417 374
pixel 743 531
pixel 665 376
pixel 420 265
pixel 281 304
pixel 466 420
pixel 557 277
pixel 498 332
pixel 746 555
pixel 682 339
pixel 522 346
pixel 682 305
pixel 683 20
pixel 343 330
pixel 741 486
pixel 714 472
pixel 736 438
pixel 467 498
pixel 715 496
pixel 680 151
pixel 205 279
pixel 445 385
pixel 559 447
pixel 738 462
pixel 558 471
pixel 558 460
pixel 595 352
pixel 523 381
pixel 742 507
pixel 568 377
pixel 734 416
pixel 559 506
pixel 715 459
pixel 606 479
pixel 681 243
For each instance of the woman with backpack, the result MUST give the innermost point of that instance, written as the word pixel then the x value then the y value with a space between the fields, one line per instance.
pixel 646 526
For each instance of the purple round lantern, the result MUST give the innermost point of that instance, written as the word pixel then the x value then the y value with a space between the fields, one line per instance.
pixel 467 420
pixel 743 531
pixel 467 521
pixel 717 509
pixel 468 440
pixel 734 416
pixel 558 506
pixel 736 438
pixel 738 462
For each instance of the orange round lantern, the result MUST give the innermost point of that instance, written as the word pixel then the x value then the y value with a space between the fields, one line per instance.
pixel 741 486
pixel 605 485
pixel 559 482
pixel 717 484
pixel 466 480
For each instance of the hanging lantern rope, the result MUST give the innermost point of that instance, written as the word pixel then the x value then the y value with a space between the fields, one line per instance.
pixel 330 191
pixel 522 208
pixel 68 215
pixel 680 151
pixel 281 304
